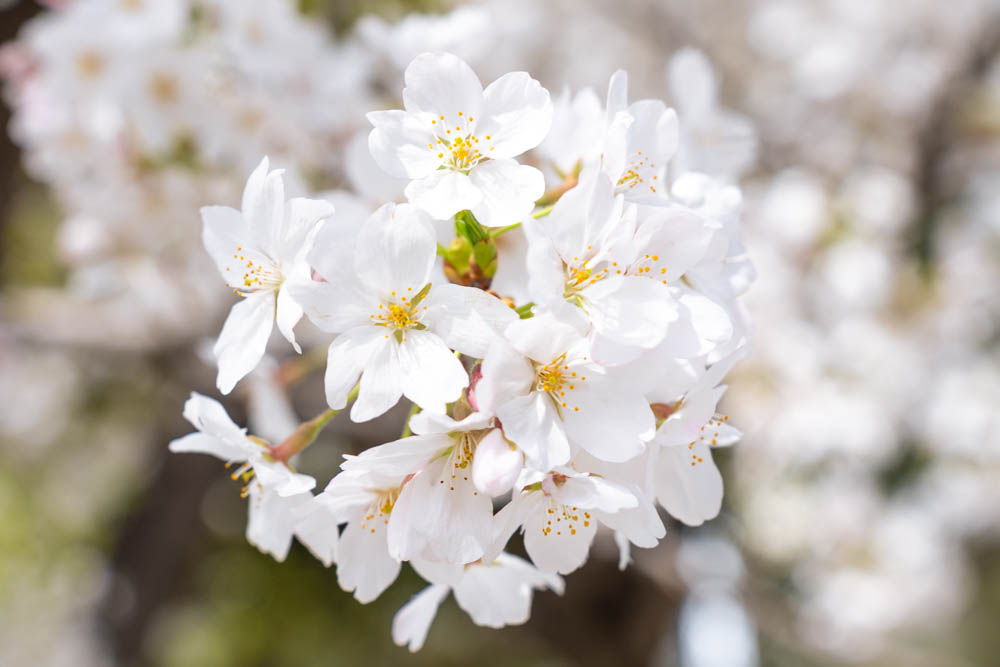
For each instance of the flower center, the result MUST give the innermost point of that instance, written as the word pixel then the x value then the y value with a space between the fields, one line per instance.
pixel 380 509
pixel 460 458
pixel 563 518
pixel 639 171
pixel 581 275
pixel 649 266
pixel 456 143
pixel 556 378
pixel 89 64
pixel 245 474
pixel 258 273
pixel 403 315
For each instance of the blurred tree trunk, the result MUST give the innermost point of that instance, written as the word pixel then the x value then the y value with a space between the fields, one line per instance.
pixel 11 20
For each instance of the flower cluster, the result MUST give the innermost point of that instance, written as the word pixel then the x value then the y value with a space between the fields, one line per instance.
pixel 562 330
pixel 137 113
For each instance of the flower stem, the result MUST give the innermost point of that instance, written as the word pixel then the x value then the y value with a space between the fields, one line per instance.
pixel 497 231
pixel 307 432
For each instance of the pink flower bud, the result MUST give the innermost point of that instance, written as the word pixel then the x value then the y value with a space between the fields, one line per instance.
pixel 496 465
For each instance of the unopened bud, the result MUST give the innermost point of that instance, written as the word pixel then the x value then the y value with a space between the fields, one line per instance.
pixel 496 465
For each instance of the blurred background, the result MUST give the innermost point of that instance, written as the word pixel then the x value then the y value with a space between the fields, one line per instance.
pixel 862 515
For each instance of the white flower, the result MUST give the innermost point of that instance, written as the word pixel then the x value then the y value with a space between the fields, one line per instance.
pixel 364 500
pixel 275 490
pixel 713 140
pixel 685 479
pixel 260 251
pixel 395 327
pixel 550 397
pixel 641 139
pixel 594 261
pixel 578 131
pixel 494 595
pixel 467 30
pixel 275 519
pixel 439 514
pixel 560 513
pixel 457 141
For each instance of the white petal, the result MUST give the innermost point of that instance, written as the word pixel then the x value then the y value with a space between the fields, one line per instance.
pixel 546 273
pixel 511 279
pixel 303 219
pixel 517 114
pixel 426 423
pixel 467 319
pixel 610 353
pixel 413 620
pixel 494 596
pixel 431 375
pixel 640 525
pixel 368 179
pixel 630 311
pixel 342 502
pixel 443 193
pixel 530 574
pixel 510 518
pixel 685 425
pixel 688 484
pixel 395 251
pixel 208 416
pixel 223 231
pixel 399 458
pixel 363 564
pixel 319 533
pixel 399 143
pixel 692 82
pixel 541 338
pixel 333 307
pixel 243 339
pixel 612 420
pixel 279 477
pixel 617 93
pixel 200 443
pixel 559 541
pixel 532 423
pixel 509 191
pixel 440 515
pixel 725 435
pixel 591 492
pixel 269 525
pixel 676 237
pixel 332 254
pixel 505 373
pixel 701 327
pixel 624 550
pixel 381 383
pixel 442 84
pixel 287 314
pixel 264 207
pixel 349 353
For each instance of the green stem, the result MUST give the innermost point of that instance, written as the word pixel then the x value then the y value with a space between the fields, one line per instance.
pixel 307 432
pixel 544 212
pixel 497 231
pixel 407 431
